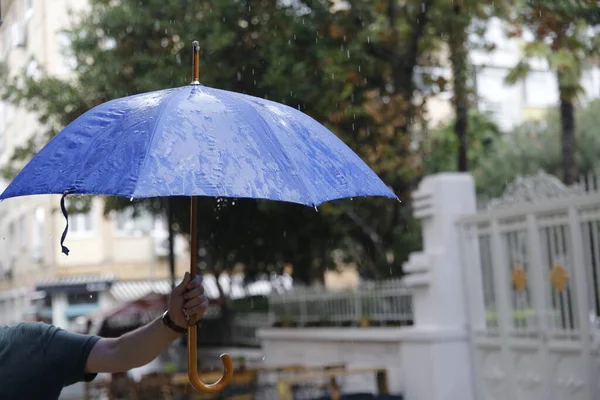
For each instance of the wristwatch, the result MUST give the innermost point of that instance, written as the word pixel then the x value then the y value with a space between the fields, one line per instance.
pixel 168 322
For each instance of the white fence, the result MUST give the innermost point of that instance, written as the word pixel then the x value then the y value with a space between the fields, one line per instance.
pixel 245 326
pixel 533 272
pixel 382 303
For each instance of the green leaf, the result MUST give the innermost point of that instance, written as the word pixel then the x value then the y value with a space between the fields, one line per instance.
pixel 517 73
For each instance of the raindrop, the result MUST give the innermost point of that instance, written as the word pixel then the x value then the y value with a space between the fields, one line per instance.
pixel 422 7
pixel 368 39
pixel 131 199
pixel 348 53
pixel 3 238
pixel 316 209
pixel 359 68
pixel 264 358
pixel 239 76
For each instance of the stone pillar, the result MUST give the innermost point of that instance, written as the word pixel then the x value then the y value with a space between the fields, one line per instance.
pixel 436 352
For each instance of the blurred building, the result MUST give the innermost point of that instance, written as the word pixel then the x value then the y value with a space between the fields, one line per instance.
pixel 510 105
pixel 115 252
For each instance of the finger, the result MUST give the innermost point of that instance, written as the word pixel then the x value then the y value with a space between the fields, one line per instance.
pixel 198 309
pixel 197 281
pixel 190 294
pixel 179 289
pixel 194 302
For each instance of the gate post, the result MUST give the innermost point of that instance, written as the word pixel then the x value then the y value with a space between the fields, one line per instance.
pixel 436 351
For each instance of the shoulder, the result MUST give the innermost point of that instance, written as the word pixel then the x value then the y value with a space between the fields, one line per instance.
pixel 27 334
pixel 25 329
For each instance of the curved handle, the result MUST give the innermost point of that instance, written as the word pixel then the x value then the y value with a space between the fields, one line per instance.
pixel 193 366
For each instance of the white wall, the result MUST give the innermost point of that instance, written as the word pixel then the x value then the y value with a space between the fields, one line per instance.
pixel 432 359
pixel 355 347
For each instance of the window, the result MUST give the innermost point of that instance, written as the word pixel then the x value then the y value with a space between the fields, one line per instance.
pixel 6 43
pixel 135 225
pixel 81 217
pixel 28 4
pixel 81 223
pixel 69 62
pixel 32 70
pixel 39 220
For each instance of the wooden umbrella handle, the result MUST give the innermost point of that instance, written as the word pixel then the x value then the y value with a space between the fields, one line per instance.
pixel 192 328
pixel 193 367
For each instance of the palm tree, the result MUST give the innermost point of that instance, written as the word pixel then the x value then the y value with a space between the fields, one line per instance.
pixel 562 36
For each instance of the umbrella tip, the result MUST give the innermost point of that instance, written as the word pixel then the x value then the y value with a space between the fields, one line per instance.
pixel 196 63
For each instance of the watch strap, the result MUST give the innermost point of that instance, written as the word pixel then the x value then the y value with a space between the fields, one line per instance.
pixel 167 321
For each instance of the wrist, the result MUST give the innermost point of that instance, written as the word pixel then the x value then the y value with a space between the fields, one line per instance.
pixel 172 324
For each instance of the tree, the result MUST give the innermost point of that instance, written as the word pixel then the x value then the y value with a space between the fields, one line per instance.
pixel 535 145
pixel 318 61
pixel 460 22
pixel 561 36
pixel 441 145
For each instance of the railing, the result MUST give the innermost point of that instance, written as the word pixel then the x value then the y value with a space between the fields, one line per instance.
pixel 387 303
pixel 245 325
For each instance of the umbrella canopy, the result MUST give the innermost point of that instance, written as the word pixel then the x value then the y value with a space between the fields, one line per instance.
pixel 198 141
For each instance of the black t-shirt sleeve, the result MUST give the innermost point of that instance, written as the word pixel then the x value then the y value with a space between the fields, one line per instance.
pixel 69 352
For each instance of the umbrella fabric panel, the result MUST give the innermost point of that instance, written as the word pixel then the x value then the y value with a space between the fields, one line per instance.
pixel 226 144
pixel 198 141
pixel 98 153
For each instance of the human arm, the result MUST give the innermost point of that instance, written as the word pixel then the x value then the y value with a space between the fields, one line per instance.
pixel 143 345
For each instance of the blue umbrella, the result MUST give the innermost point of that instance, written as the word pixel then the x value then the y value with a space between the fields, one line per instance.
pixel 197 141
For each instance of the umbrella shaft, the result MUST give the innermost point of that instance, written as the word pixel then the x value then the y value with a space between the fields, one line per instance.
pixel 194 236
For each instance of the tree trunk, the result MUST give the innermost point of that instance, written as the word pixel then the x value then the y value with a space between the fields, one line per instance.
pixel 567 122
pixel 459 22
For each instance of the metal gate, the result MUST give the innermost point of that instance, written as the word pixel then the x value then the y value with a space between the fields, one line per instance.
pixel 532 262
